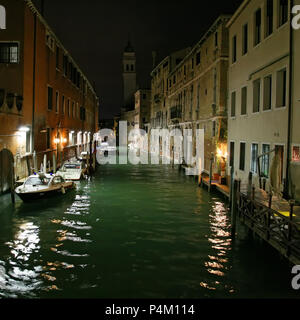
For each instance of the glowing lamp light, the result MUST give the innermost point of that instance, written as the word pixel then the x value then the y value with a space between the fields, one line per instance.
pixel 24 129
pixel 56 140
pixel 221 152
pixel 64 140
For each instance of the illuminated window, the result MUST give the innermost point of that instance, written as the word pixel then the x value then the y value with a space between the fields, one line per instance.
pixel 9 52
pixel 296 154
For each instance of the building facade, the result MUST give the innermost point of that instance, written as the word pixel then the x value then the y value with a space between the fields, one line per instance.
pixel 197 90
pixel 159 88
pixel 47 104
pixel 142 108
pixel 259 100
pixel 189 91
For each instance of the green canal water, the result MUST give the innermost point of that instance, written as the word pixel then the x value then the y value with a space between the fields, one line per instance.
pixel 134 232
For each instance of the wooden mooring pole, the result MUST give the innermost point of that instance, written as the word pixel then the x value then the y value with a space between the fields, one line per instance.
pixel 12 185
pixel 210 174
pixel 234 208
pixel 292 204
pixel 231 185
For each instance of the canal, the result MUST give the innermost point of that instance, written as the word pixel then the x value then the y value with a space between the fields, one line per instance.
pixel 134 232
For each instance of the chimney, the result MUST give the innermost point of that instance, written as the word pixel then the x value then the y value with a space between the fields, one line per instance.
pixel 154 59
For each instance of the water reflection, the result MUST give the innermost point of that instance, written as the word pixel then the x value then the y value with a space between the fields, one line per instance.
pixel 17 276
pixel 220 242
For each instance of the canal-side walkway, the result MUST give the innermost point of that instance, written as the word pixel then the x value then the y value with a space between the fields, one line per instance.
pixel 273 218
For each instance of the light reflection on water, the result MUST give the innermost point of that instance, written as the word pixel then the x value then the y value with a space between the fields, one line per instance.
pixel 130 232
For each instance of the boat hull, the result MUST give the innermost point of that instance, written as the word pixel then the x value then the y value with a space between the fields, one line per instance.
pixel 37 195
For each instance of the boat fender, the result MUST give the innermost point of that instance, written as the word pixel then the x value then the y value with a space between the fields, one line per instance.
pixel 63 191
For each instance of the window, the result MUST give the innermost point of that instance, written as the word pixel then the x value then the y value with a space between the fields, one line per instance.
pixel 63 105
pixel 257 25
pixel 198 58
pixel 215 76
pixel 127 67
pixel 48 139
pixel 65 65
pixel 296 154
pixel 242 155
pixel 68 107
pixel 56 102
pixel 234 49
pixel 244 101
pixel 82 114
pixel 269 17
pixel 231 160
pixel 216 39
pixel 245 39
pixel 132 67
pixel 28 142
pixel 283 12
pixel 57 57
pixel 256 96
pixel 73 109
pixel 268 93
pixel 281 89
pixel 254 155
pixel 144 96
pixel 233 103
pixel 265 163
pixel 50 98
pixel 9 52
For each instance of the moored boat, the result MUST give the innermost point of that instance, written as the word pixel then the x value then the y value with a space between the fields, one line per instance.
pixel 72 170
pixel 42 185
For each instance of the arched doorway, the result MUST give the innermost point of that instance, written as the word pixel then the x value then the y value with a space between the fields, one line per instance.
pixel 6 170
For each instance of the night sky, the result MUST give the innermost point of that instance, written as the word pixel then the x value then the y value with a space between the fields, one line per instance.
pixel 96 33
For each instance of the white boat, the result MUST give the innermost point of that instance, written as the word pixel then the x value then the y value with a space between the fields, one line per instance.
pixel 43 185
pixel 72 170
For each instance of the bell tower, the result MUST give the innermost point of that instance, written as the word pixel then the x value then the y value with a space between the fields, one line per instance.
pixel 129 76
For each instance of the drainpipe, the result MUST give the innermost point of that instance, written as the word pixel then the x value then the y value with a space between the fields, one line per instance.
pixel 33 81
pixel 288 156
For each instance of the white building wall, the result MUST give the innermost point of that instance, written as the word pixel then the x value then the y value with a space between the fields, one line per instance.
pixel 266 58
